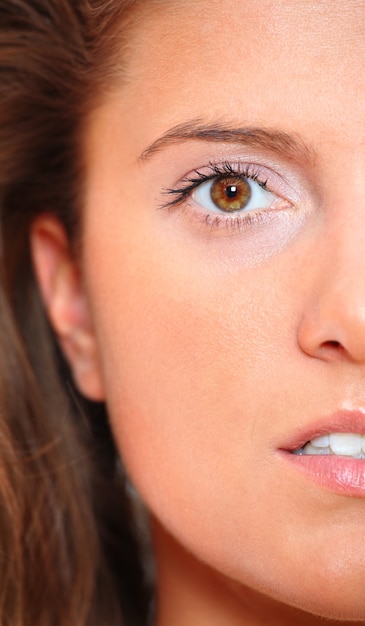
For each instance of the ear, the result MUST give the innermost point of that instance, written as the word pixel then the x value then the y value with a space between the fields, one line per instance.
pixel 66 303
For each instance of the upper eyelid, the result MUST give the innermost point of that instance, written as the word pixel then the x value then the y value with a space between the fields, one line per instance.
pixel 240 166
pixel 224 168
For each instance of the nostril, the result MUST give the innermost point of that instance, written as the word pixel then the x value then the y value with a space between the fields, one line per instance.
pixel 332 344
pixel 331 349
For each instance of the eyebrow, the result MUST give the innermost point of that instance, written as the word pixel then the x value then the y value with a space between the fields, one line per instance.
pixel 290 145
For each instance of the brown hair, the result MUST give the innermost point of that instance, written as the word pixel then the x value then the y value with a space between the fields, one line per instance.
pixel 68 551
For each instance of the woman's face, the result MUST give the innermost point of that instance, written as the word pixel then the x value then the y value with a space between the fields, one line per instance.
pixel 230 336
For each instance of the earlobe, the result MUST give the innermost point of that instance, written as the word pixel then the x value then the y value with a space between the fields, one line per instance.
pixel 66 303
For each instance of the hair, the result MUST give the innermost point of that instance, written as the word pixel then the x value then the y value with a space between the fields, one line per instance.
pixel 68 548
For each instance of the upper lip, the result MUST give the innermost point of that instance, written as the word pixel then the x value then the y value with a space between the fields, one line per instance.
pixel 343 421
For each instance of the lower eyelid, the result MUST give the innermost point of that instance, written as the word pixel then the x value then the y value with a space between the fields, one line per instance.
pixel 220 225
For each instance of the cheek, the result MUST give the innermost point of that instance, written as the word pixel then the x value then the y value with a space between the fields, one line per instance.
pixel 186 352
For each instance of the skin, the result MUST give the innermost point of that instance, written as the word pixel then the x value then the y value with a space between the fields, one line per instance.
pixel 212 345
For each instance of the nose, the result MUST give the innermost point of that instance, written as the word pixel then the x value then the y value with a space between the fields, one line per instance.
pixel 332 326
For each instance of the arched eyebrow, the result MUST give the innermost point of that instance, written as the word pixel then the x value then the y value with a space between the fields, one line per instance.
pixel 288 145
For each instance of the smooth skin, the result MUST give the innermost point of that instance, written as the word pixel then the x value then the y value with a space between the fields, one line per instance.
pixel 214 344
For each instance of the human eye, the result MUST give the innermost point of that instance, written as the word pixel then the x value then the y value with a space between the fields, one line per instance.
pixel 228 194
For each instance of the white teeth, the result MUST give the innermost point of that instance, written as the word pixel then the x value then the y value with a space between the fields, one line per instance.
pixel 346 444
pixel 341 444
pixel 309 448
pixel 321 442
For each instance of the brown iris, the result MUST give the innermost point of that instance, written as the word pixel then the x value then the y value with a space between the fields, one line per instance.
pixel 230 194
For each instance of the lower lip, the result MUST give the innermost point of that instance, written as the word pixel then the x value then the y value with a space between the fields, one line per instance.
pixel 342 475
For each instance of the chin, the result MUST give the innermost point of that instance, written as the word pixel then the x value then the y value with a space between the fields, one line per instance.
pixel 340 601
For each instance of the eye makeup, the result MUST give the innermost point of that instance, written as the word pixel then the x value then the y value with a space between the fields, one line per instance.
pixel 228 194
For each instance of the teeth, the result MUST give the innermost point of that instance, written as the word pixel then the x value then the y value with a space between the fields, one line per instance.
pixel 321 442
pixel 340 444
pixel 309 448
pixel 349 444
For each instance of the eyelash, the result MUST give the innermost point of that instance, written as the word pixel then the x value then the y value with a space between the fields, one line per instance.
pixel 215 171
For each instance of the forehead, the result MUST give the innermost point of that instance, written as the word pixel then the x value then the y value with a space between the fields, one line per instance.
pixel 238 30
pixel 293 65
pixel 216 48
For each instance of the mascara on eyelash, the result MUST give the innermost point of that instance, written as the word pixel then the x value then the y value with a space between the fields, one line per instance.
pixel 190 183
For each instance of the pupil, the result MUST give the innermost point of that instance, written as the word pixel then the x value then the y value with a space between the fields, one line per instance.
pixel 231 191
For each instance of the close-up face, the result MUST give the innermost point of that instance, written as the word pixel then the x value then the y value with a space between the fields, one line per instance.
pixel 223 261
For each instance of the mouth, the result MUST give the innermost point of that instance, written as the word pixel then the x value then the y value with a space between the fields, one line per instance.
pixel 331 453
pixel 340 434
pixel 335 444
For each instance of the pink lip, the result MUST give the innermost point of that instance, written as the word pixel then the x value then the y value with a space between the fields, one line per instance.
pixel 339 474
pixel 340 422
